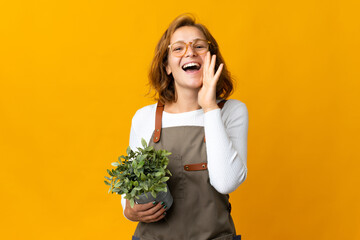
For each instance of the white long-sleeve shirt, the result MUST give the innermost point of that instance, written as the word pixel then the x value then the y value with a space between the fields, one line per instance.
pixel 226 139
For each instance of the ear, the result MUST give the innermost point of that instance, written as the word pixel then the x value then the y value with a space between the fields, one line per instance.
pixel 168 69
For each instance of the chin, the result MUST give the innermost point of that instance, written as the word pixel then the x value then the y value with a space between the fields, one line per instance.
pixel 193 82
pixel 196 84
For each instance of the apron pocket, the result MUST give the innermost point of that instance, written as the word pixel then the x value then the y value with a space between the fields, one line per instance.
pixel 135 238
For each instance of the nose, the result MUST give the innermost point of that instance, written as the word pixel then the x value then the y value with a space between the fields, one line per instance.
pixel 189 51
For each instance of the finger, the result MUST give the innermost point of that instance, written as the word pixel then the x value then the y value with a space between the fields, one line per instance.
pixel 212 65
pixel 148 220
pixel 206 66
pixel 145 206
pixel 152 210
pixel 218 72
pixel 160 217
pixel 207 61
pixel 158 214
pixel 155 216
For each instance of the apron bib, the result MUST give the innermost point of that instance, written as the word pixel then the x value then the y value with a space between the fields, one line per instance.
pixel 199 212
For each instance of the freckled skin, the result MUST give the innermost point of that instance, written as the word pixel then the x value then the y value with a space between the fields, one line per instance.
pixel 183 79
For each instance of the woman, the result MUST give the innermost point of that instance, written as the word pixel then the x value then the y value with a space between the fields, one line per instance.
pixel 208 144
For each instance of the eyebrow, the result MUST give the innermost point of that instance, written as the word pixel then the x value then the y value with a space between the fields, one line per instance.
pixel 190 41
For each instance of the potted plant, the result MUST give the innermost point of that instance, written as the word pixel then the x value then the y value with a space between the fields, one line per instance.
pixel 141 175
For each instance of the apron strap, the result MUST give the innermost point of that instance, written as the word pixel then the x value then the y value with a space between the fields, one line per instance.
pixel 158 119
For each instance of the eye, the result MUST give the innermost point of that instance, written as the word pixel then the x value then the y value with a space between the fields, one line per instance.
pixel 200 46
pixel 177 48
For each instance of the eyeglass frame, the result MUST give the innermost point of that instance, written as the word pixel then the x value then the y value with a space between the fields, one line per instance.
pixel 189 43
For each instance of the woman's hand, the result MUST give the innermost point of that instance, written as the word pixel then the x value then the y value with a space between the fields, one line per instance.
pixel 207 93
pixel 147 212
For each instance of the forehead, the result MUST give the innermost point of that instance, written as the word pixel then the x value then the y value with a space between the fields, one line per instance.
pixel 186 34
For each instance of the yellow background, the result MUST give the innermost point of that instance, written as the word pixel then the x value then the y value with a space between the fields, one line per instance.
pixel 73 73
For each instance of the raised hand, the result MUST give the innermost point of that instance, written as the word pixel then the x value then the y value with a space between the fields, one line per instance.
pixel 207 93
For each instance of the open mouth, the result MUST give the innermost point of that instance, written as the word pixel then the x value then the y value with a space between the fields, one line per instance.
pixel 191 67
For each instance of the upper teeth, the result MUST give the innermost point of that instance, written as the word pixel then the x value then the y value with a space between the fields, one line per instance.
pixel 190 65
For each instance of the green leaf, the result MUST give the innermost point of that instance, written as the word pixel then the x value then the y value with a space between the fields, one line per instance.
pixel 143 142
pixel 166 153
pixel 128 150
pixel 117 184
pixel 136 172
pixel 158 174
pixel 108 178
pixel 153 194
pixel 141 164
pixel 107 183
pixel 160 189
pixel 148 149
pixel 132 202
pixel 133 192
pixel 116 190
pixel 115 164
pixel 134 164
pixel 142 157
pixel 164 179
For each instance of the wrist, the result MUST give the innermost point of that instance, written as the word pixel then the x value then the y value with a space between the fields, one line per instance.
pixel 210 108
pixel 128 215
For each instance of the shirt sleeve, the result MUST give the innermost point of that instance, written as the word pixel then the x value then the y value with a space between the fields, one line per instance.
pixel 226 145
pixel 133 143
pixel 140 129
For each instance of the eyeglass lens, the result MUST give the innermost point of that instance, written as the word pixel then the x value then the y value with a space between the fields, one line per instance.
pixel 199 46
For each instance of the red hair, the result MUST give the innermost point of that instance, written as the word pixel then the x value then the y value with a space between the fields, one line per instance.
pixel 163 83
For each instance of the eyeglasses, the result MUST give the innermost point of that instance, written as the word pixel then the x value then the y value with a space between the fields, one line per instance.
pixel 200 46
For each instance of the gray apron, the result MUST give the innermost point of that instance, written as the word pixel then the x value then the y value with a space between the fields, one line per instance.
pixel 199 212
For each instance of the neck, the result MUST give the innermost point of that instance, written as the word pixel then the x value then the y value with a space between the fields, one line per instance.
pixel 186 101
